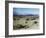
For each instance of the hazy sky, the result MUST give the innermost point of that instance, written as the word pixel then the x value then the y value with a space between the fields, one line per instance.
pixel 25 11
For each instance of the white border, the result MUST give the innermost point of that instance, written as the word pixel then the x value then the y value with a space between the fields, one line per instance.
pixel 18 32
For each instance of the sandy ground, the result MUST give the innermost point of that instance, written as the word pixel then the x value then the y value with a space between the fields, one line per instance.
pixel 25 22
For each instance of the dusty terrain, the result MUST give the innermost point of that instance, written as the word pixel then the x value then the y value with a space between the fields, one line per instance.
pixel 25 22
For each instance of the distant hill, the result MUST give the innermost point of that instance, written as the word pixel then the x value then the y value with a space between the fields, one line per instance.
pixel 26 15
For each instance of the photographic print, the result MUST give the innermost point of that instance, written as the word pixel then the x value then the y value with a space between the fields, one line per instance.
pixel 24 18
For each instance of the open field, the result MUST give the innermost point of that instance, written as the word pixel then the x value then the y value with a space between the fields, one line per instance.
pixel 25 22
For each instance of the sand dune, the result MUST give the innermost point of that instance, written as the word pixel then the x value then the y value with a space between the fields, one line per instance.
pixel 25 22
